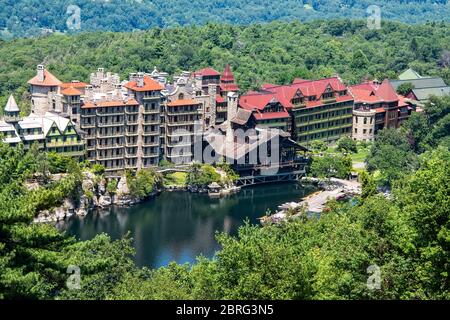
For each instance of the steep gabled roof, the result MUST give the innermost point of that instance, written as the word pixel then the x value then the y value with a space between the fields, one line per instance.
pixel 49 80
pixel 285 93
pixel 371 92
pixel 409 74
pixel 242 116
pixel 11 105
pixel 227 74
pixel 70 91
pixel 149 85
pixel 60 122
pixel 256 101
pixel 387 92
pixel 206 72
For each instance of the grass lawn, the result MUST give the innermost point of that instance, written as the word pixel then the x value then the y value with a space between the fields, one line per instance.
pixel 175 179
pixel 361 155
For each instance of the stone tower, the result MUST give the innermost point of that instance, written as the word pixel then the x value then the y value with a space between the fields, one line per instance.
pixel 12 111
pixel 211 106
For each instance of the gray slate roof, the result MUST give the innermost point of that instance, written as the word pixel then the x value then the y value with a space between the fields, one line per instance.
pixel 424 94
pixel 11 105
pixel 421 83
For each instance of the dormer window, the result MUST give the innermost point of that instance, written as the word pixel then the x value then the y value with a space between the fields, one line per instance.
pixel 328 95
pixel 297 100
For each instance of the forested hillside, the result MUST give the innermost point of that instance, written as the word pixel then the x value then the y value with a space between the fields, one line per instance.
pixel 275 52
pixel 405 235
pixel 19 18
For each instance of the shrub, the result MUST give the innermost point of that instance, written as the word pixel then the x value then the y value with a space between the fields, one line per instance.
pixel 202 175
pixel 347 144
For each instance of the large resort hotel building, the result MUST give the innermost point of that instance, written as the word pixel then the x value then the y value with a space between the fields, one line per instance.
pixel 131 124
pixel 308 109
pixel 135 123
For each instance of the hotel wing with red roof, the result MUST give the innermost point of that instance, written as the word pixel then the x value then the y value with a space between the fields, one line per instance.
pixel 308 109
pixel 377 106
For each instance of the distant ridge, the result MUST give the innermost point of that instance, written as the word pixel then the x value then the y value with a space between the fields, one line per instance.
pixel 24 18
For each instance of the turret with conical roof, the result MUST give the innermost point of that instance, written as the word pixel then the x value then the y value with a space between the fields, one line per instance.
pixel 12 111
pixel 227 83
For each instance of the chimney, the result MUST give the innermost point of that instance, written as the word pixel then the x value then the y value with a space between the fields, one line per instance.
pixel 40 72
pixel 232 105
pixel 140 79
pixel 89 90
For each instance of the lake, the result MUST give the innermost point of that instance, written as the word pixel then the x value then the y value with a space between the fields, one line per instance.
pixel 179 226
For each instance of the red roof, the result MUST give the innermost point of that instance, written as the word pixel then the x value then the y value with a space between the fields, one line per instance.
pixel 271 115
pixel 49 80
pixel 149 85
pixel 372 92
pixel 205 72
pixel 220 99
pixel 74 84
pixel 114 103
pixel 227 74
pixel 284 94
pixel 298 80
pixel 183 102
pixel 229 87
pixel 71 92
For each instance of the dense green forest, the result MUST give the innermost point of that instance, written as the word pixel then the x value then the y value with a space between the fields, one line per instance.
pixel 275 52
pixel 405 235
pixel 19 18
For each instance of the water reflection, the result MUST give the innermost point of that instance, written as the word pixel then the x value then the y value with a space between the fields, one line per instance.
pixel 178 226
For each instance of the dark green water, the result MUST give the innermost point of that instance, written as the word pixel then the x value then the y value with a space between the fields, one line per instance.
pixel 178 226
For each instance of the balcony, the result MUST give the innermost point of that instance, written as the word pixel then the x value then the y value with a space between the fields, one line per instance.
pixel 131 122
pixel 150 144
pixel 131 133
pixel 87 115
pixel 145 97
pixel 180 113
pixel 180 134
pixel 150 155
pixel 130 155
pixel 110 124
pixel 305 133
pixel 131 112
pixel 180 155
pixel 151 133
pixel 131 144
pixel 64 143
pixel 109 157
pixel 150 111
pixel 151 122
pixel 109 135
pixel 181 123
pixel 109 146
pixel 179 144
pixel 329 100
pixel 104 114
